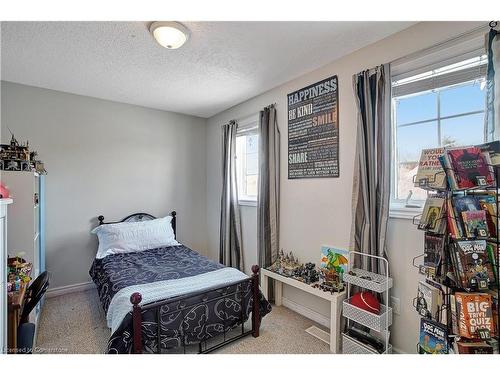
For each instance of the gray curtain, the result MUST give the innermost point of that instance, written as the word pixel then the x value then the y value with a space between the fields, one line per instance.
pixel 230 250
pixel 269 187
pixel 492 113
pixel 372 180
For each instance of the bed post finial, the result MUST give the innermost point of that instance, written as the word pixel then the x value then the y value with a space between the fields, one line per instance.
pixel 256 301
pixel 135 299
pixel 174 223
pixel 101 219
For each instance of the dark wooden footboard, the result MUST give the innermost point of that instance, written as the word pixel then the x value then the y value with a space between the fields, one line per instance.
pixel 223 293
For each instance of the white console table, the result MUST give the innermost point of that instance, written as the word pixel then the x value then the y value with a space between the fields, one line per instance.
pixel 335 299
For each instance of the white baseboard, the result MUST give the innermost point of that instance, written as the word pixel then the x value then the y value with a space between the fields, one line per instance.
pixel 307 312
pixel 61 290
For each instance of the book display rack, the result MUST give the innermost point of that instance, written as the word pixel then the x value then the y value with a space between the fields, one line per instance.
pixel 458 299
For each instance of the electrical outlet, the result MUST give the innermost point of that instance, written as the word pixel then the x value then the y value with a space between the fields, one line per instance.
pixel 396 305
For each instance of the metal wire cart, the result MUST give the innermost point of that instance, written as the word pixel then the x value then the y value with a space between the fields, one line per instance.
pixel 360 341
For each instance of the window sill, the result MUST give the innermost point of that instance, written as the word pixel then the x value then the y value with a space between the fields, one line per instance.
pixel 400 211
pixel 250 203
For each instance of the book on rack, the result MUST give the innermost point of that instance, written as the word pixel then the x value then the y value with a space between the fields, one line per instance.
pixel 428 300
pixel 474 311
pixel 474 347
pixel 433 253
pixel 433 219
pixel 460 204
pixel 454 315
pixel 493 252
pixel 488 203
pixel 443 291
pixel 475 223
pixel 433 337
pixel 430 172
pixel 454 223
pixel 493 149
pixel 471 263
pixel 468 167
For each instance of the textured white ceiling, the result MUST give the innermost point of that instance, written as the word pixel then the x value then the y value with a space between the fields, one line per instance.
pixel 222 64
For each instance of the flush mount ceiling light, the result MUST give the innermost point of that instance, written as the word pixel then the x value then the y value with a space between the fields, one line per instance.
pixel 170 35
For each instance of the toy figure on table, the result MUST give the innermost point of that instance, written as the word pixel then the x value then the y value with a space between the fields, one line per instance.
pixel 285 264
pixel 18 273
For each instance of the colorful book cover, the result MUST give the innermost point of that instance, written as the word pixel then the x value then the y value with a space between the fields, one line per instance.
pixel 433 218
pixel 488 203
pixel 433 337
pixel 471 167
pixel 474 268
pixel 474 312
pixel 475 223
pixel 334 258
pixel 463 203
pixel 430 173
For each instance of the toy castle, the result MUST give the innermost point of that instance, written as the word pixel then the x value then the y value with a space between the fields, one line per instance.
pixel 17 157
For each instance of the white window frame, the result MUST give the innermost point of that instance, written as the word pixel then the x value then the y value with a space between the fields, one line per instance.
pixel 247 126
pixel 400 208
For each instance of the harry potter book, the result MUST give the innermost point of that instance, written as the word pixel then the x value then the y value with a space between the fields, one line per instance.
pixel 430 173
pixel 474 312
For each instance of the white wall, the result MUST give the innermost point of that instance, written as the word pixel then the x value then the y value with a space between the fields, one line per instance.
pixel 107 158
pixel 318 211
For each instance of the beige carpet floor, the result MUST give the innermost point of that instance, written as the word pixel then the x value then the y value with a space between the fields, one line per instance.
pixel 75 323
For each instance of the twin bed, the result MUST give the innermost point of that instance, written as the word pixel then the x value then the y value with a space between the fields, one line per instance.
pixel 169 298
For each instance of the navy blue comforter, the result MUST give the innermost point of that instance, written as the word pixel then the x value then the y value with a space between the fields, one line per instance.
pixel 206 319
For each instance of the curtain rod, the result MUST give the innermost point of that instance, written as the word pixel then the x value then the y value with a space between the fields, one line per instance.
pixel 485 28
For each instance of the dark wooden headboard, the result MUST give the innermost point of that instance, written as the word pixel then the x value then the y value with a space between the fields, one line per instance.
pixel 141 216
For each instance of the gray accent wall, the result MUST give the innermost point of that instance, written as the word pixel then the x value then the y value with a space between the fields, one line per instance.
pixel 107 158
pixel 315 212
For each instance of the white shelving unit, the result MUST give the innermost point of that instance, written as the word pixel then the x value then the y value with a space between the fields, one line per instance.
pixel 378 322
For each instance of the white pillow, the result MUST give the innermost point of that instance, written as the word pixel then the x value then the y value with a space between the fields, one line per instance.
pixel 134 236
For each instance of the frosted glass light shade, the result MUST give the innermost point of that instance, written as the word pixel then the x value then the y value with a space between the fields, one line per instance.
pixel 171 35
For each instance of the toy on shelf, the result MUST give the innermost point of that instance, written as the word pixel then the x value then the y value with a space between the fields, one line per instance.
pixel 17 157
pixel 18 273
pixel 306 273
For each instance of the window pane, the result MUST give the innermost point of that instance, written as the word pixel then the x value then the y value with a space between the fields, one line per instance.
pixel 462 99
pixel 410 142
pixel 252 164
pixel 247 165
pixel 416 108
pixel 412 139
pixel 463 131
pixel 252 143
pixel 406 171
pixel 251 185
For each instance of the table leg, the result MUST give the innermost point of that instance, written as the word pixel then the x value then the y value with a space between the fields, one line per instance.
pixel 278 293
pixel 264 285
pixel 335 324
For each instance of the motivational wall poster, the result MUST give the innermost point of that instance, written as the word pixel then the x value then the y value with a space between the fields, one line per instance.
pixel 313 131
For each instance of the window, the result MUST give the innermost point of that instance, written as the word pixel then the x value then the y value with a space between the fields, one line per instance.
pixel 438 108
pixel 247 161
